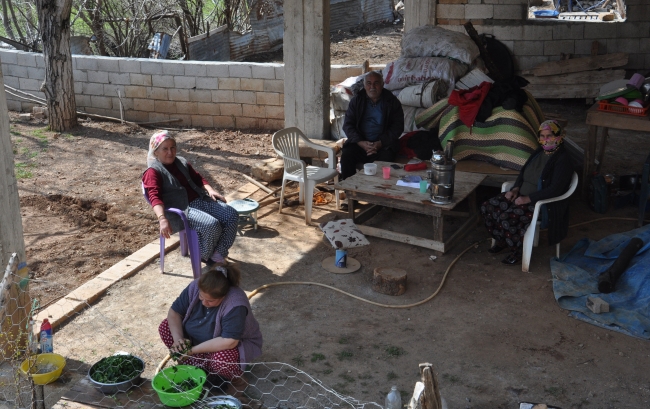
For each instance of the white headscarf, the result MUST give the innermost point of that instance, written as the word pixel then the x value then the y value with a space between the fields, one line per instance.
pixel 155 141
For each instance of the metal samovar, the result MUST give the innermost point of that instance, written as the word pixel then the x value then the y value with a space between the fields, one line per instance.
pixel 441 176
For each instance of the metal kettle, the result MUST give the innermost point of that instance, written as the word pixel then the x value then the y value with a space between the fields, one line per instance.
pixel 441 176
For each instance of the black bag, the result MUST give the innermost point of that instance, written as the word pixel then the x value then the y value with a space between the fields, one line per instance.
pixel 424 143
pixel 500 56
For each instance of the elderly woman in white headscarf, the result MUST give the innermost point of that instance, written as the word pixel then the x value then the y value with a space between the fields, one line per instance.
pixel 170 181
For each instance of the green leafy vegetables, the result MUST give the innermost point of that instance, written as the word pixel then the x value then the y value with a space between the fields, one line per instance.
pixel 116 369
pixel 187 385
pixel 187 347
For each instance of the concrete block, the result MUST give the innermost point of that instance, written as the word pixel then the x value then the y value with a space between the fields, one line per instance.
pixel 230 83
pixel 644 45
pixel 195 69
pixel 60 311
pixel 583 47
pixel 129 65
pixel 246 123
pixel 102 102
pixel 175 94
pixel 82 100
pixel 240 70
pixel 599 31
pixel 40 61
pixel 79 76
pixel 597 305
pixel 141 79
pixel 274 112
pixel 157 93
pixel 528 47
pixel 90 290
pixel 481 11
pixel 279 73
pixel 638 13
pixel 263 71
pixel 223 121
pixel 218 70
pixel 119 78
pixel 162 81
pixel 131 91
pixel 282 100
pixel 636 62
pixel 450 11
pixel 207 83
pixel 252 84
pixel 625 45
pixel 245 97
pixel 529 62
pixel 111 90
pixel 25 59
pixel 274 86
pixel 165 107
pixel 185 119
pixel 109 64
pixel 37 73
pixel 509 33
pixel 231 109
pixel 26 84
pixel 268 98
pixel 633 30
pixel 509 12
pixel 137 116
pixel 208 108
pixel 98 76
pixel 13 70
pixel 25 117
pixel 220 96
pixel 271 124
pixel 253 111
pixel 143 104
pixel 9 56
pixel 173 68
pixel 204 121
pixel 184 82
pixel 158 116
pixel 557 47
pixel 189 108
pixel 200 95
pixel 537 33
pixel 568 31
pixel 78 87
pixel 151 67
pixel 11 81
pixel 14 105
pixel 268 170
pixel 86 63
pixel 123 269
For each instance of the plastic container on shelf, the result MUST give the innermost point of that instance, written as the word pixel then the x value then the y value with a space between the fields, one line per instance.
pixel 393 399
pixel 622 109
pixel 46 337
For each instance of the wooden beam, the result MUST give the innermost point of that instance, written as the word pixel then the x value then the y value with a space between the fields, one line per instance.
pixel 581 64
pixel 402 238
pixel 587 77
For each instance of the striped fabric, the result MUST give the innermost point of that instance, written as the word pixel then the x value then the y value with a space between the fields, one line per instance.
pixel 506 139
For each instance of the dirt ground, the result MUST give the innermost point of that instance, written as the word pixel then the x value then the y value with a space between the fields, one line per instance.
pixel 495 335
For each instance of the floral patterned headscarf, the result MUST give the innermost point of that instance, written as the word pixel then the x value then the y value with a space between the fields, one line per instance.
pixel 551 145
pixel 155 141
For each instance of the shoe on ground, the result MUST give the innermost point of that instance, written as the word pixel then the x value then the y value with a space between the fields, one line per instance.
pixel 497 248
pixel 512 259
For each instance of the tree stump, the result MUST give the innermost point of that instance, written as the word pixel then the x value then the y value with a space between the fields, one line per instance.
pixel 391 281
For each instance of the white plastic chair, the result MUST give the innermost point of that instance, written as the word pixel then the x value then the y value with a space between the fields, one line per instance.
pixel 286 145
pixel 531 238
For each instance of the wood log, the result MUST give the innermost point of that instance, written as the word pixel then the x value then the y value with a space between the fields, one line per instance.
pixel 431 397
pixel 581 64
pixel 387 280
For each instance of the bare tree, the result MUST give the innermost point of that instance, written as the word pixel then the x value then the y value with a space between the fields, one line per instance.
pixel 54 23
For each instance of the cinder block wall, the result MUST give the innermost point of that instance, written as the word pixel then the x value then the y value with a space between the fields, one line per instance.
pixel 535 42
pixel 201 94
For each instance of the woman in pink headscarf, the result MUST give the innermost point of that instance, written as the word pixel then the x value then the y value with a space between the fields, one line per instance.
pixel 171 181
pixel 546 174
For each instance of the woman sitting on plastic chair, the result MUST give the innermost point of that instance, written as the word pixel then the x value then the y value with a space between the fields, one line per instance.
pixel 546 174
pixel 171 182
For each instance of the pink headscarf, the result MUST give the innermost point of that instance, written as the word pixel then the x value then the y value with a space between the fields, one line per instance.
pixel 155 141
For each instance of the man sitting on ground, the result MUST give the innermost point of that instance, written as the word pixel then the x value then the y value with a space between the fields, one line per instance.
pixel 373 124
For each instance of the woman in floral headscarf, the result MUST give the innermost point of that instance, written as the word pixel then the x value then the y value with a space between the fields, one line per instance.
pixel 170 181
pixel 546 174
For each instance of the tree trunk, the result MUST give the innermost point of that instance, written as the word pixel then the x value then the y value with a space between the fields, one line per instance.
pixel 54 21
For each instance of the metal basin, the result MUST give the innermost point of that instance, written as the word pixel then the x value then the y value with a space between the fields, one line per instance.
pixel 112 388
pixel 216 401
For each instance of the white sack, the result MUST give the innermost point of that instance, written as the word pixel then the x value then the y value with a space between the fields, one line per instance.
pixel 409 117
pixel 435 41
pixel 423 95
pixel 336 128
pixel 410 71
pixel 340 98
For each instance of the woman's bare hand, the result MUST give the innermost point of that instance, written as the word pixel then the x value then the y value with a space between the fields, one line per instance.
pixel 213 194
pixel 511 195
pixel 522 200
pixel 165 228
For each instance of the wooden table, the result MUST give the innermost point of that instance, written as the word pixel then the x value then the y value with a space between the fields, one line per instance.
pixel 384 192
pixel 605 120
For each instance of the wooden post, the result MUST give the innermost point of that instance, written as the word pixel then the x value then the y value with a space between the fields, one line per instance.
pixel 431 396
pixel 15 308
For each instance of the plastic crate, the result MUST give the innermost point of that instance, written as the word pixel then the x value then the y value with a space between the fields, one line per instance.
pixel 622 109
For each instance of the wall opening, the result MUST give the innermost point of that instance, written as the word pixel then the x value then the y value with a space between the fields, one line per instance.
pixel 594 11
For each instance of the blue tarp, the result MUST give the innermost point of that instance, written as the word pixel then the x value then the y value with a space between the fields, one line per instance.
pixel 575 277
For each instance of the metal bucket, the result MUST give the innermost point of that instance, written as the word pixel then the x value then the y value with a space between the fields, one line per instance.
pixel 442 181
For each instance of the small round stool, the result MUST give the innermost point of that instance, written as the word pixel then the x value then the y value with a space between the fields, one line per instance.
pixel 247 210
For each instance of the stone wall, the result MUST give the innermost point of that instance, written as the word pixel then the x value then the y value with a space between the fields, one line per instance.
pixel 535 42
pixel 201 94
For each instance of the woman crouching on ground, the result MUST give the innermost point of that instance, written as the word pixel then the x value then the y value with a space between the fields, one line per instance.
pixel 546 174
pixel 215 316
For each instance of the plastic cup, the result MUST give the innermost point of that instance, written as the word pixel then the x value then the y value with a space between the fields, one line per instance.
pixel 341 258
pixel 423 186
pixel 386 172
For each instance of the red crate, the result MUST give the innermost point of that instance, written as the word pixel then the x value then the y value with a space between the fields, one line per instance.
pixel 622 109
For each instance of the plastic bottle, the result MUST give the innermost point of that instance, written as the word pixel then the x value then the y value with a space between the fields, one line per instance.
pixel 47 342
pixel 393 399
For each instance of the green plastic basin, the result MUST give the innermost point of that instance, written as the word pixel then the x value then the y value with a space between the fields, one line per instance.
pixel 162 384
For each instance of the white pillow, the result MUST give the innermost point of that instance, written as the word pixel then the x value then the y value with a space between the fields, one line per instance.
pixel 343 234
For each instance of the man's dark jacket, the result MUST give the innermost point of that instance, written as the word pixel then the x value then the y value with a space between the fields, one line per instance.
pixel 392 115
pixel 555 181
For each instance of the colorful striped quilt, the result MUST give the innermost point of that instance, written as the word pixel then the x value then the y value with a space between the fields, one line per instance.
pixel 506 139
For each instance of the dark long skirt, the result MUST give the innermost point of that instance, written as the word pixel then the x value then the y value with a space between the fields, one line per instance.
pixel 507 222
